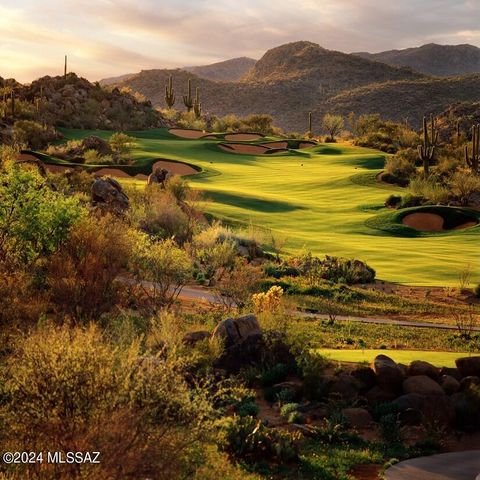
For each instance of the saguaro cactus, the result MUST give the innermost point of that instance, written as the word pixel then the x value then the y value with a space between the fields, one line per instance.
pixel 426 151
pixel 12 103
pixel 474 160
pixel 65 68
pixel 170 93
pixel 187 99
pixel 197 105
pixel 310 123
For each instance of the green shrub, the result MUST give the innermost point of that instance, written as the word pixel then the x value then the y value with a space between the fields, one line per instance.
pixel 250 440
pixel 400 166
pixel 296 417
pixel 33 134
pixel 273 375
pixel 248 409
pixel 288 408
pixel 393 201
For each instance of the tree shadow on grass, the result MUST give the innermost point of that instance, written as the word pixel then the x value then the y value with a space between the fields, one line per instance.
pixel 253 203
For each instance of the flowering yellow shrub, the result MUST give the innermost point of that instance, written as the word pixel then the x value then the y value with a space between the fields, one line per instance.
pixel 268 301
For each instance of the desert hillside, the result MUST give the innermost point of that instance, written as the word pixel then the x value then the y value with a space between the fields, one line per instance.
pixel 227 71
pixel 432 59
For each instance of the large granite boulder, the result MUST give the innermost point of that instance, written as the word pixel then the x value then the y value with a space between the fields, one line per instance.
pixel 449 384
pixel 419 367
pixel 243 341
pixel 410 407
pixel 422 385
pixel 389 375
pixel 108 194
pixel 367 378
pixel 159 176
pixel 468 366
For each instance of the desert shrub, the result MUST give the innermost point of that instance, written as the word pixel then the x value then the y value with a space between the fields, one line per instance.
pixel 249 439
pixel 279 271
pixel 288 408
pixel 463 186
pixel 236 285
pixel 166 266
pixel 447 165
pixel 93 157
pixel 189 120
pixel 409 200
pixel 258 123
pixel 248 408
pixel 33 134
pixel 393 201
pixel 228 123
pixel 270 301
pixel 311 367
pixel 120 142
pixel 68 389
pixel 296 417
pixel 8 154
pixel 34 219
pixel 429 189
pixel 82 273
pixel 400 166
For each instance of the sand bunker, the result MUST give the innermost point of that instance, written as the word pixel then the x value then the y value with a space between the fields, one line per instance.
pixel 431 222
pixel 50 167
pixel 244 148
pixel 278 144
pixel 243 137
pixel 176 168
pixel 185 133
pixel 306 145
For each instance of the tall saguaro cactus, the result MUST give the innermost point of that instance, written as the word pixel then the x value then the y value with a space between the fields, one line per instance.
pixel 473 161
pixel 426 151
pixel 309 123
pixel 197 104
pixel 188 99
pixel 170 93
pixel 65 68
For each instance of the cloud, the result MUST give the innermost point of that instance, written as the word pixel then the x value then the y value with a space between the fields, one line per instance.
pixel 108 37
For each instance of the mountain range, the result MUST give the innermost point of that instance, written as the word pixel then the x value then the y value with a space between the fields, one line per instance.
pixel 293 79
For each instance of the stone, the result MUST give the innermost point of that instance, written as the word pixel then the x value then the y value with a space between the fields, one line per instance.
pixel 419 367
pixel 357 417
pixel 243 341
pixel 449 384
pixel 159 176
pixel 92 142
pixel 422 385
pixel 410 407
pixel 389 375
pixel 468 366
pixel 467 382
pixel 377 395
pixel 345 386
pixel 451 371
pixel 366 376
pixel 191 338
pixel 108 193
pixel 235 330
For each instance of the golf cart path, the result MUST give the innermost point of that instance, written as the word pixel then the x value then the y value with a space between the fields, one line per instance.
pixel 193 293
pixel 445 466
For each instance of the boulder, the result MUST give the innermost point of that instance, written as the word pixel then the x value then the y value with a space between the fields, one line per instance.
pixel 410 407
pixel 159 176
pixel 422 385
pixel 377 395
pixel 366 376
pixel 243 341
pixel 345 386
pixel 236 330
pixel 191 338
pixel 419 367
pixel 467 382
pixel 357 417
pixel 108 194
pixel 449 384
pixel 468 366
pixel 93 142
pixel 389 375
pixel 439 409
pixel 452 372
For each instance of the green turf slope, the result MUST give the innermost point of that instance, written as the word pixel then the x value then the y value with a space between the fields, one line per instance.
pixel 320 199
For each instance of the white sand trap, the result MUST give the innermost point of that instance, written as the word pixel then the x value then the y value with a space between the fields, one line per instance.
pixel 306 145
pixel 465 225
pixel 185 133
pixel 117 173
pixel 243 137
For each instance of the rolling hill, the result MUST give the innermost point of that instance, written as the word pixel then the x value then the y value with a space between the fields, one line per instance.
pixel 226 71
pixel 287 82
pixel 432 59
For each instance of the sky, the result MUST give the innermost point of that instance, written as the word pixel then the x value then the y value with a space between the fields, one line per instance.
pixel 105 38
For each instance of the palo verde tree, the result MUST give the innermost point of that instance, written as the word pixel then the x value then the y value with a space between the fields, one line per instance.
pixel 426 151
pixel 473 160
pixel 170 93
pixel 188 99
pixel 333 125
pixel 197 105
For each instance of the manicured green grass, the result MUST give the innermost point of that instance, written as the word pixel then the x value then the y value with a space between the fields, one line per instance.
pixel 315 198
pixel 440 359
